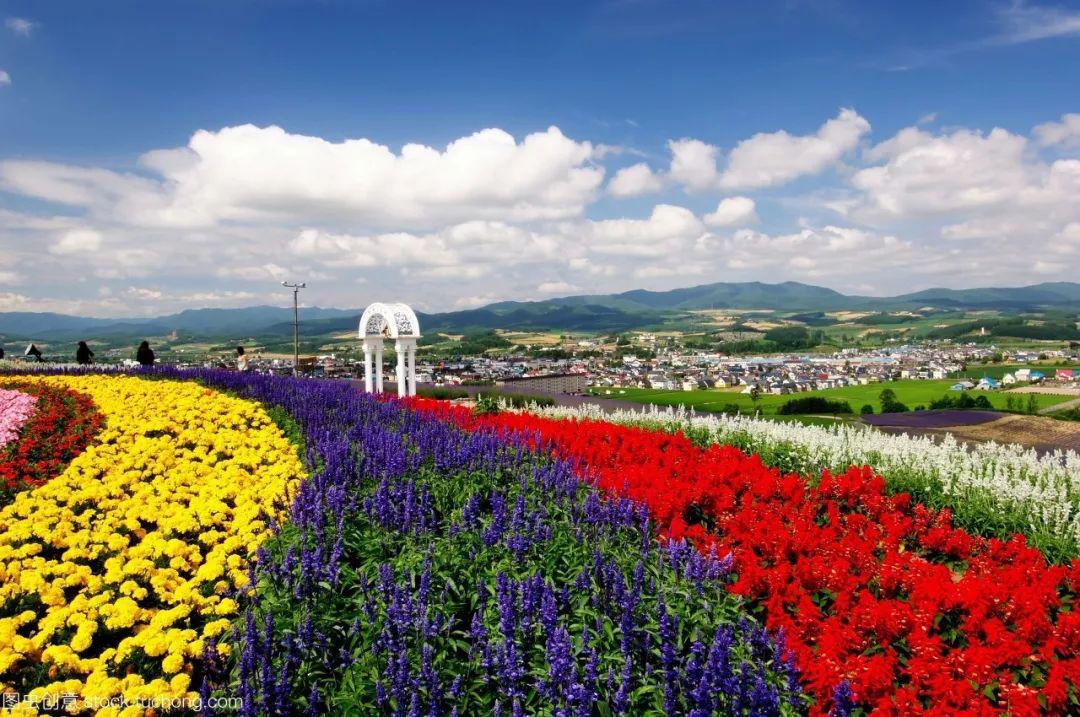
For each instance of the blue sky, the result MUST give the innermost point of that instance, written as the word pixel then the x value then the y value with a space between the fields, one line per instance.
pixel 911 187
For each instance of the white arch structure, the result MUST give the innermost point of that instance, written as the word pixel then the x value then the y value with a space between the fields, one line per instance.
pixel 390 321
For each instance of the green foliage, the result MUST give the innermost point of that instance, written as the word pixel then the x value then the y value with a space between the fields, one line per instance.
pixel 866 410
pixel 1013 326
pixel 787 338
pixel 442 393
pixel 963 402
pixel 461 566
pixel 486 405
pixel 813 404
pixel 889 402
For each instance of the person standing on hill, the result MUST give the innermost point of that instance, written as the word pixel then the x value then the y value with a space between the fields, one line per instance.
pixel 83 355
pixel 241 359
pixel 145 354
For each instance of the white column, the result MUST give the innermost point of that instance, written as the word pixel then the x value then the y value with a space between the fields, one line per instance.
pixel 399 348
pixel 412 368
pixel 378 367
pixel 367 367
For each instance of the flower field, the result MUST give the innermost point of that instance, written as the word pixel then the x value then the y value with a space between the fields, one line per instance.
pixel 998 490
pixel 115 571
pixel 873 591
pixel 425 560
pixel 45 427
pixel 15 408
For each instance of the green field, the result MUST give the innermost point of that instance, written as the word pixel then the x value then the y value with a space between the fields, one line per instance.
pixel 912 393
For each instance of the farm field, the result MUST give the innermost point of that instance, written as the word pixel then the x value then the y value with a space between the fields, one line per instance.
pixel 910 392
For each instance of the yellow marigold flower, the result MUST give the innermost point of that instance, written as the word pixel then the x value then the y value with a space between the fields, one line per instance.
pixel 172 664
pixel 143 533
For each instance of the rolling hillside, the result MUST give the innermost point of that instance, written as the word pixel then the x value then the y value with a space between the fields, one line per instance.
pixel 595 313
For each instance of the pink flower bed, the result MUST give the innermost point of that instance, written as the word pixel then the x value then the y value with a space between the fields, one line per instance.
pixel 15 408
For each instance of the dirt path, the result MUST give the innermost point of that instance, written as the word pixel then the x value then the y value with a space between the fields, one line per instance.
pixel 1075 403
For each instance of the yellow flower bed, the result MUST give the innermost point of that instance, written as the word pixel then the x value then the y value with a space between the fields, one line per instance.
pixel 114 573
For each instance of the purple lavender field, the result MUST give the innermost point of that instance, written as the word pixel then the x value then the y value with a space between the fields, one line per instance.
pixel 932 419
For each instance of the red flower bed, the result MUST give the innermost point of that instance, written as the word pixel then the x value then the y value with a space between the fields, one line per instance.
pixel 916 615
pixel 61 426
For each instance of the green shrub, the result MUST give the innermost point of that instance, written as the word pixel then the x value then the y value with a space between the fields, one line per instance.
pixel 442 393
pixel 813 404
pixel 962 402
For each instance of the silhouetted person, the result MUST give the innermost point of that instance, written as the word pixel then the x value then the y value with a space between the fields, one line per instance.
pixel 145 354
pixel 34 351
pixel 1 353
pixel 83 354
pixel 241 359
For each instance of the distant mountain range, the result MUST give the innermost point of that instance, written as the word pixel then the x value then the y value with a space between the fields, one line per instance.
pixel 597 312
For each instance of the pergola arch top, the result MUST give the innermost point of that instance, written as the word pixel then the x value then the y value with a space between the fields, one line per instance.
pixel 390 321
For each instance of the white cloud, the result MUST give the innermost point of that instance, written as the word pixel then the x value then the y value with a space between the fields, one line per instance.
pixel 13 302
pixel 143 294
pixel 633 181
pixel 488 215
pixel 693 164
pixel 472 302
pixel 1023 22
pixel 5 78
pixel 250 173
pixel 827 252
pixel 556 287
pixel 667 230
pixel 1065 133
pixel 77 241
pixel 768 159
pixel 732 211
pixel 20 26
pixel 927 174
pixel 261 272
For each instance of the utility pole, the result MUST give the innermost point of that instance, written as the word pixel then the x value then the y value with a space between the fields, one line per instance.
pixel 295 323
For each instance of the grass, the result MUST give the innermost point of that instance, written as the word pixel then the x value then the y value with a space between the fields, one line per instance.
pixel 910 392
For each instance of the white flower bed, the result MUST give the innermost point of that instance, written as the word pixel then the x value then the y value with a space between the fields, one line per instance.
pixel 992 488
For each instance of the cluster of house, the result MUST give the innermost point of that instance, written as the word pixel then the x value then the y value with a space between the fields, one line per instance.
pixel 1062 376
pixel 679 370
pixel 675 368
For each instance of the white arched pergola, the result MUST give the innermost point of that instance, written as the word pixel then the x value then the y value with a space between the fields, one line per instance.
pixel 390 321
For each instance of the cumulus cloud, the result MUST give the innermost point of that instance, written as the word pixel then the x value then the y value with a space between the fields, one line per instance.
pixel 768 158
pixel 556 287
pixel 250 173
pixel 693 164
pixel 925 173
pixel 222 220
pixel 5 78
pixel 822 253
pixel 77 241
pixel 633 181
pixel 667 230
pixel 732 211
pixel 1065 133
pixel 20 26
